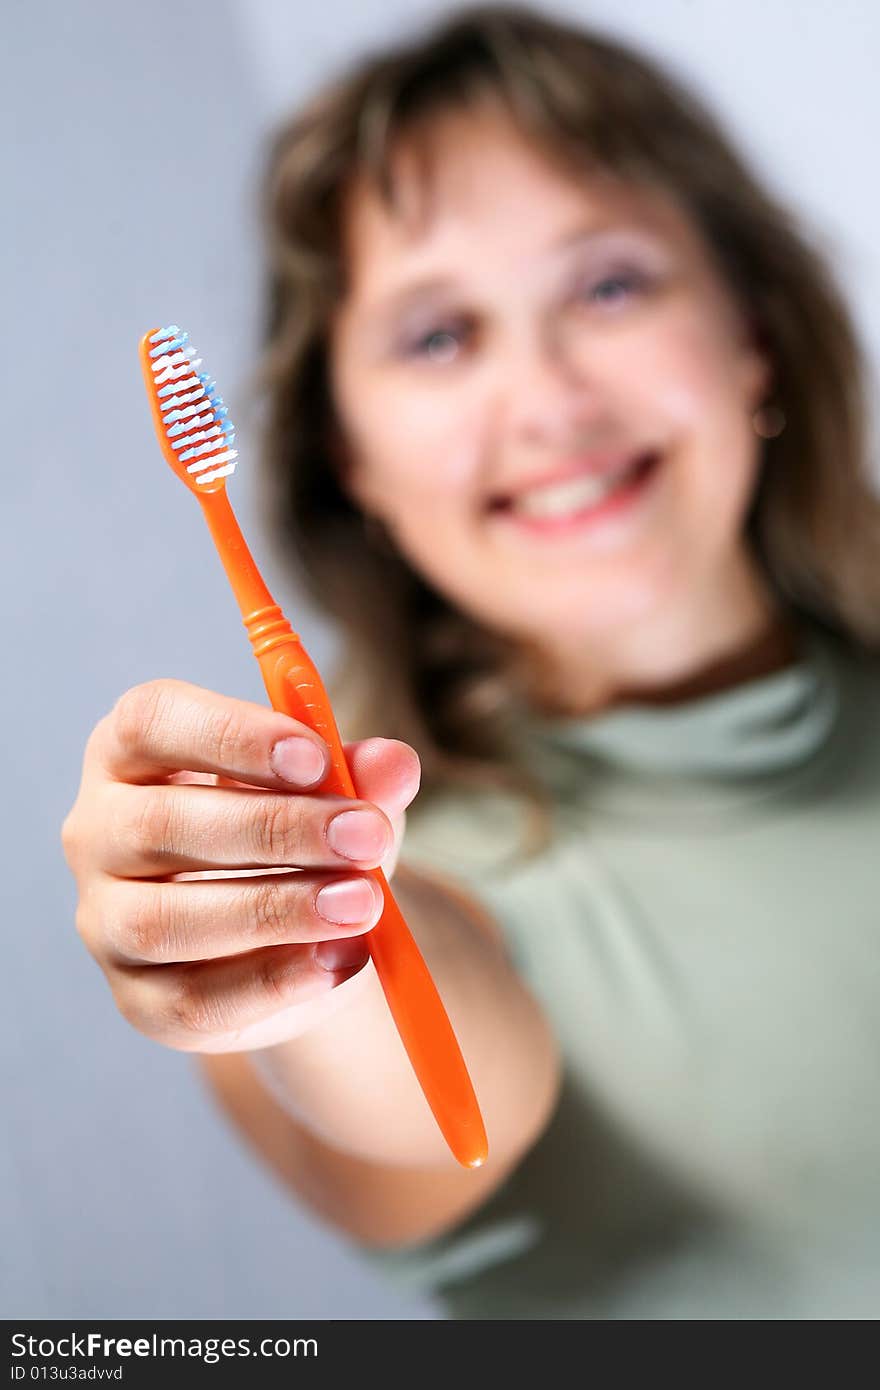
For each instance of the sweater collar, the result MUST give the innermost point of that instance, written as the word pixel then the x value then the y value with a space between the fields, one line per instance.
pixel 713 752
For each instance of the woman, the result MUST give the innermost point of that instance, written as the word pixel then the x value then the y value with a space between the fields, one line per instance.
pixel 566 429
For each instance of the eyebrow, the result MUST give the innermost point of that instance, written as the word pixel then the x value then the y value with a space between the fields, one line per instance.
pixel 434 284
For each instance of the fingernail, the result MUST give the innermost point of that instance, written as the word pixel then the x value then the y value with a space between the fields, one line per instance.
pixel 348 953
pixel 358 835
pixel 298 760
pixel 348 900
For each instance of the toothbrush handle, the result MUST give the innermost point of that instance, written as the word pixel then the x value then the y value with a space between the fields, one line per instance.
pixel 294 686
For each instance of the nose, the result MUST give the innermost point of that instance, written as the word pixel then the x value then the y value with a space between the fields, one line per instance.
pixel 544 399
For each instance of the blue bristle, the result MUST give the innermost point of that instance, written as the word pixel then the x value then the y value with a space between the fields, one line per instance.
pixel 170 332
pixel 171 346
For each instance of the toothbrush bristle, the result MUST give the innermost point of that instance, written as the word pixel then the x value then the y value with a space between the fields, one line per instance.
pixel 194 418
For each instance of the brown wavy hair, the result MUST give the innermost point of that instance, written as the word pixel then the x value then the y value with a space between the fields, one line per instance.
pixel 413 666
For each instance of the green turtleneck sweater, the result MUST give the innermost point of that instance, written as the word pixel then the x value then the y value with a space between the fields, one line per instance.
pixel 703 934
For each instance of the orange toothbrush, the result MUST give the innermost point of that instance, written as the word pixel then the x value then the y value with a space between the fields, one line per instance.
pixel 196 436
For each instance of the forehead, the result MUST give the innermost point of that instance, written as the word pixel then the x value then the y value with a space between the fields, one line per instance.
pixel 471 180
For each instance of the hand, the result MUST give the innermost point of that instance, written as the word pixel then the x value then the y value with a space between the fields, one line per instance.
pixel 200 868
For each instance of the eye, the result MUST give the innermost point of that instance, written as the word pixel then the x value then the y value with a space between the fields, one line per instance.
pixel 614 289
pixel 437 345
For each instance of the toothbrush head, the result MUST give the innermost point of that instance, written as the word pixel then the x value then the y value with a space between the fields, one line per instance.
pixel 191 421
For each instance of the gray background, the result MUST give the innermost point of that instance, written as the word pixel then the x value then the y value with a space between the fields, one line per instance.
pixel 123 1191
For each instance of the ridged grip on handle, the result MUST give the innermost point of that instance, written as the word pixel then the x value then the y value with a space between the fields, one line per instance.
pixel 294 686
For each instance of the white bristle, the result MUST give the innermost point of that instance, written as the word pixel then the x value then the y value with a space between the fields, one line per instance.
pixel 175 416
pixel 173 402
pixel 179 432
pixel 172 373
pixel 187 440
pixel 194 418
pixel 170 359
pixel 200 449
pixel 216 473
pixel 180 386
pixel 201 464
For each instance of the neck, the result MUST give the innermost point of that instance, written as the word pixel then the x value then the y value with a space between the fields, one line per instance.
pixel 727 633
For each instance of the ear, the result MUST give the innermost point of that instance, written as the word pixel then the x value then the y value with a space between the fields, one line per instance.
pixel 759 370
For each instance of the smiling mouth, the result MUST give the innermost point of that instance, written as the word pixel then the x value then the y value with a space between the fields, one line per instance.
pixel 578 496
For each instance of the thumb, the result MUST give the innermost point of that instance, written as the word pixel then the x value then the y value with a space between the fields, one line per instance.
pixel 386 771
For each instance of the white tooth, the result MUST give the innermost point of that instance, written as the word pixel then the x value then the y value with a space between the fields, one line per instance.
pixel 555 499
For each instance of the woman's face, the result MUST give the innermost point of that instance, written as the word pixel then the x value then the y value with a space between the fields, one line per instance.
pixel 521 329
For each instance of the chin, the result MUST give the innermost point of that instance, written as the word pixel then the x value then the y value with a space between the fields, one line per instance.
pixel 591 610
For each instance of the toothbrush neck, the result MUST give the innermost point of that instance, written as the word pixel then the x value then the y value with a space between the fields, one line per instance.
pixel 265 623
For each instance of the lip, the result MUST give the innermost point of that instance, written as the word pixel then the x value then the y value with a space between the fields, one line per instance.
pixel 584 466
pixel 594 517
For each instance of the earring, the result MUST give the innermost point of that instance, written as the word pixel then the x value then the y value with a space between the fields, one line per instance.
pixel 768 421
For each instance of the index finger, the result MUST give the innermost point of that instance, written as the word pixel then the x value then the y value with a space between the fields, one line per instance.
pixel 164 726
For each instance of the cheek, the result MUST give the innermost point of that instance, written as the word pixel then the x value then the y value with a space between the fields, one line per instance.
pixel 692 386
pixel 683 371
pixel 418 448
